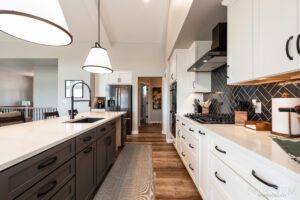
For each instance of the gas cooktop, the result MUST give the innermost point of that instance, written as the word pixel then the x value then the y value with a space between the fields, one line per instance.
pixel 211 118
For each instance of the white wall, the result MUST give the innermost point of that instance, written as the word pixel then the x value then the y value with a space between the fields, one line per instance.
pixel 45 86
pixel 178 12
pixel 144 60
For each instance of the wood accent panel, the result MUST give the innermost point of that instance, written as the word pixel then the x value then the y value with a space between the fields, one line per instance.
pixel 171 179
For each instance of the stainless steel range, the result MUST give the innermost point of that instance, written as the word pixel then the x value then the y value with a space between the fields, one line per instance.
pixel 211 118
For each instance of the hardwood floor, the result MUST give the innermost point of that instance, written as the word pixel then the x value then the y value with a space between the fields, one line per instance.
pixel 172 181
pixel 150 128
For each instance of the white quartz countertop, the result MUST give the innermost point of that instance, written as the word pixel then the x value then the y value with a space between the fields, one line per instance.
pixel 258 142
pixel 22 141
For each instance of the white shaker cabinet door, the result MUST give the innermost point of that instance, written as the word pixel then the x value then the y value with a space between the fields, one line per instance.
pixel 275 35
pixel 240 41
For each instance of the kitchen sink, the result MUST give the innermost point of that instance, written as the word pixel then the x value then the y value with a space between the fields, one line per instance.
pixel 85 120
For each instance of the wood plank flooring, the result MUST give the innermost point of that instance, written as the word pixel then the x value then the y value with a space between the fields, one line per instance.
pixel 172 181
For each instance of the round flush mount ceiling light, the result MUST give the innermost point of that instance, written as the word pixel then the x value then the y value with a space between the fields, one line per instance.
pixel 36 21
pixel 98 60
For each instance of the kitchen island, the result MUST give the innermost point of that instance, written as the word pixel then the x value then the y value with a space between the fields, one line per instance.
pixel 50 158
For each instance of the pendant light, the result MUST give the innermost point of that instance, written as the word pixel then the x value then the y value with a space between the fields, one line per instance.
pixel 37 21
pixel 98 61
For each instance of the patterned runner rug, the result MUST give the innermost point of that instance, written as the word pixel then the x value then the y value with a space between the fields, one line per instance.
pixel 131 177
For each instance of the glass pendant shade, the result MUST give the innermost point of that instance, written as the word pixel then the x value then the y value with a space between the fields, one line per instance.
pixel 37 21
pixel 98 61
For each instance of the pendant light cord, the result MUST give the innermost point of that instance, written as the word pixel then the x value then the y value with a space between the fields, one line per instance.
pixel 99 23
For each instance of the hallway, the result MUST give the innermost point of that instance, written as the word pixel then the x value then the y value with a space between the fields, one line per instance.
pixel 172 181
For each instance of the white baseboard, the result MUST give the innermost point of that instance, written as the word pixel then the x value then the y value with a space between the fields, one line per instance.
pixel 134 132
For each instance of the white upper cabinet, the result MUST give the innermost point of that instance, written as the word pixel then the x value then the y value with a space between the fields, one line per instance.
pixel 119 78
pixel 240 41
pixel 173 68
pixel 275 31
pixel 262 38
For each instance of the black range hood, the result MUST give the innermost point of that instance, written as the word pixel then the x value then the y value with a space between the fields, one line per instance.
pixel 217 56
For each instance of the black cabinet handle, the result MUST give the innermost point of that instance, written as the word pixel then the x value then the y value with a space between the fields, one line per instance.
pixel 191 146
pixel 191 130
pixel 87 138
pixel 287 48
pixel 183 124
pixel 47 162
pixel 88 150
pixel 201 133
pixel 220 179
pixel 183 137
pixel 172 76
pixel 182 154
pixel 177 120
pixel 298 45
pixel 263 181
pixel 220 150
pixel 190 166
pixel 46 189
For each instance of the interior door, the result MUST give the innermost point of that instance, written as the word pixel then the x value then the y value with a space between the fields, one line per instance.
pixel 276 26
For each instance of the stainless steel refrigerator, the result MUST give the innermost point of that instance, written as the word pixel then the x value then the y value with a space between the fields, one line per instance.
pixel 119 98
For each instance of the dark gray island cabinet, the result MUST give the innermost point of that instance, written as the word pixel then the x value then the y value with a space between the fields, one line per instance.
pixel 71 170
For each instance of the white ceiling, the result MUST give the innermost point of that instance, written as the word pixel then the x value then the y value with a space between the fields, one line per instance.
pixel 25 66
pixel 202 18
pixel 135 21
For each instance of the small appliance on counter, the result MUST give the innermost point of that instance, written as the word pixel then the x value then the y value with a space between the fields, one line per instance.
pixel 98 103
pixel 285 117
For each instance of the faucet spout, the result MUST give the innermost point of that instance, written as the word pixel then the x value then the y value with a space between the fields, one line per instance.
pixel 72 116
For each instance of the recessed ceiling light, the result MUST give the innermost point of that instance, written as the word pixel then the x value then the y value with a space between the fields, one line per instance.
pixel 146 1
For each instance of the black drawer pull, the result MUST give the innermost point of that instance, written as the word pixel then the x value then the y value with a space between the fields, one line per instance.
pixel 183 124
pixel 222 180
pixel 87 138
pixel 183 137
pixel 88 150
pixel 46 189
pixel 103 129
pixel 191 130
pixel 298 45
pixel 191 146
pixel 220 150
pixel 201 133
pixel 190 166
pixel 177 120
pixel 263 181
pixel 47 163
pixel 182 154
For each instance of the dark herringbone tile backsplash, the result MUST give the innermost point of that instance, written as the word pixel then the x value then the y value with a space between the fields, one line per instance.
pixel 225 97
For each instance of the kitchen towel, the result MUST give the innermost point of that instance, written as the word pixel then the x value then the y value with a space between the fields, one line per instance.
pixel 290 147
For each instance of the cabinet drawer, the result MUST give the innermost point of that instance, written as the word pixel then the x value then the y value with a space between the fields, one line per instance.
pixel 229 183
pixel 191 142
pixel 20 177
pixel 85 139
pixel 67 192
pixel 256 171
pixel 101 130
pixel 190 161
pixel 49 186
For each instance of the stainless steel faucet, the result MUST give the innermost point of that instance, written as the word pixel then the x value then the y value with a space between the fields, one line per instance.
pixel 72 115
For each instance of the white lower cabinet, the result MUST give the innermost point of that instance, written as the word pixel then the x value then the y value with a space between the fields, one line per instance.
pixel 229 184
pixel 223 170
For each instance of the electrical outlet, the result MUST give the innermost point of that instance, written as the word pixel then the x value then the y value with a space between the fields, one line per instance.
pixel 258 108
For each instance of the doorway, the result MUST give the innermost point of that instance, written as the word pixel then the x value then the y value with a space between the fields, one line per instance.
pixel 150 104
